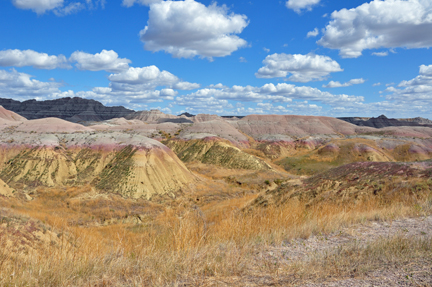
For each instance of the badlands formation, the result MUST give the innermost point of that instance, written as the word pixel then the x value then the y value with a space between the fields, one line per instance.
pixel 148 153
pixel 114 197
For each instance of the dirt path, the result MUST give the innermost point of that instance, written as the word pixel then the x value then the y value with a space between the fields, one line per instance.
pixel 413 274
pixel 414 271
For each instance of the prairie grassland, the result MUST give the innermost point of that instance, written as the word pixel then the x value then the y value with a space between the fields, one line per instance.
pixel 185 244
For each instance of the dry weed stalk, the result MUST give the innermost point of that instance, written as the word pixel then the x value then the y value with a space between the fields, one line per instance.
pixel 183 245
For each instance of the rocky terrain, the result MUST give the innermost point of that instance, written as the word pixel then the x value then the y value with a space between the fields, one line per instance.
pixel 204 187
pixel 382 121
pixel 70 109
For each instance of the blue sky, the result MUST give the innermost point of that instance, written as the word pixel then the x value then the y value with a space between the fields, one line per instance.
pixel 308 57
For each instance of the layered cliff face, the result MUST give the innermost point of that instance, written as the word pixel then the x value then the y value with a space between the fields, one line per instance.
pixel 382 122
pixel 71 109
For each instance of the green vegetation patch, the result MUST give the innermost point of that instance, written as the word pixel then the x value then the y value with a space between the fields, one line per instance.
pixel 86 161
pixel 116 172
pixel 306 166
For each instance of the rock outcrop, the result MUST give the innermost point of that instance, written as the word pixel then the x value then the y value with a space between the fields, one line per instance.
pixel 216 151
pixel 353 183
pixel 71 109
pixel 382 122
pixel 133 166
pixel 152 116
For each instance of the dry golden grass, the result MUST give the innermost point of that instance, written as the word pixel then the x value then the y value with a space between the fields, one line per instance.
pixel 187 244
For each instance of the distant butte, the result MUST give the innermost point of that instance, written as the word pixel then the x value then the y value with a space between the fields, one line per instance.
pixel 71 109
pixel 382 121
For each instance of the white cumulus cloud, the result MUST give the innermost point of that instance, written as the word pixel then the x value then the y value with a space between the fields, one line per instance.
pixel 188 28
pixel 105 60
pixel 312 33
pixel 58 7
pixel 337 84
pixel 302 68
pixel 22 58
pixel 146 75
pixel 136 86
pixel 38 6
pixel 20 85
pixel 136 82
pixel 423 80
pixel 299 5
pixel 186 86
pixel 380 24
pixel 280 93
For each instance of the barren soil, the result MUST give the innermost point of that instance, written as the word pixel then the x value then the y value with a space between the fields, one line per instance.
pixel 296 259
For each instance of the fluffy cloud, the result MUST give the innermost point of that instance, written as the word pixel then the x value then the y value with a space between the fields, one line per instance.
pixel 150 76
pixel 132 87
pixel 38 6
pixel 313 33
pixel 378 24
pixel 423 80
pixel 186 86
pixel 130 3
pixel 415 92
pixel 297 108
pixel 69 9
pixel 299 5
pixel 133 99
pixel 105 60
pixel 410 98
pixel 303 68
pixel 380 54
pixel 137 86
pixel 337 84
pixel 275 93
pixel 203 105
pixel 188 28
pixel 19 58
pixel 57 6
pixel 20 85
pixel 426 70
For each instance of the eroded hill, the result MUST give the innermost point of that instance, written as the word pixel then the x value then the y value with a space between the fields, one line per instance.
pixel 155 199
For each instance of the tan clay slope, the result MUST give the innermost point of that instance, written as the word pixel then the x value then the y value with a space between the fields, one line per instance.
pixel 216 151
pixel 205 118
pixel 5 189
pixel 142 168
pixel 51 125
pixel 136 172
pixel 10 116
pixel 151 116
pixel 298 126
pixel 213 128
pixel 39 166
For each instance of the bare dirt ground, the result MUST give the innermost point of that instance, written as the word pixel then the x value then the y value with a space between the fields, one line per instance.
pixel 295 261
